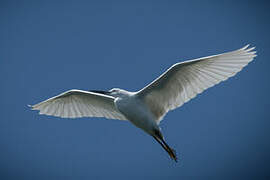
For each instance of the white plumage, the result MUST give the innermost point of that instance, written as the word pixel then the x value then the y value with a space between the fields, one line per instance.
pixel 147 107
pixel 183 81
pixel 78 103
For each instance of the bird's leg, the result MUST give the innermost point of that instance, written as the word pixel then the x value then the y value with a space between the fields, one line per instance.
pixel 172 152
pixel 165 146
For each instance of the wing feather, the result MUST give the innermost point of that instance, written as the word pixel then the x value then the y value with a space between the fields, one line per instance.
pixel 78 103
pixel 183 81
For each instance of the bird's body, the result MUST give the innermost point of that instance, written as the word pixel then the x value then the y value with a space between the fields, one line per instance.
pixel 136 111
pixel 147 107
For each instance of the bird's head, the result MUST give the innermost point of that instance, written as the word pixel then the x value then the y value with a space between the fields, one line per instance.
pixel 117 92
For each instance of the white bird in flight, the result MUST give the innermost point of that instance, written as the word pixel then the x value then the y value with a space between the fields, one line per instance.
pixel 147 107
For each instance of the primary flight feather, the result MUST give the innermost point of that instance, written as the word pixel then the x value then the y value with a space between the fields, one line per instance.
pixel 147 107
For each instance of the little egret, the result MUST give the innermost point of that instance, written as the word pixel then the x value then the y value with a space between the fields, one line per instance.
pixel 147 107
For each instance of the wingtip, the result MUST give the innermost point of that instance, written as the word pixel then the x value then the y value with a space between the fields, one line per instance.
pixel 30 106
pixel 245 47
pixel 249 50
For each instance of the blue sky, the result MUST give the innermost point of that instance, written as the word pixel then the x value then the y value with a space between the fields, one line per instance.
pixel 48 47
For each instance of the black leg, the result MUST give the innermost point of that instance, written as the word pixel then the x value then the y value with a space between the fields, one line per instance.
pixel 164 147
pixel 167 148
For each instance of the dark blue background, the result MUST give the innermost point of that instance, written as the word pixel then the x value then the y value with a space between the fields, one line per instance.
pixel 47 47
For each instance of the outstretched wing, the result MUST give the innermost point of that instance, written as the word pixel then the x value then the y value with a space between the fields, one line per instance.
pixel 183 81
pixel 78 103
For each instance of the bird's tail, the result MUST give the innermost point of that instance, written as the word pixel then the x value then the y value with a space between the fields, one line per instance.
pixel 170 151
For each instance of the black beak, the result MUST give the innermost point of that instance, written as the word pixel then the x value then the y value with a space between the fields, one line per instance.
pixel 100 92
